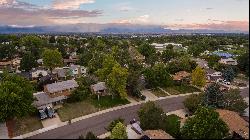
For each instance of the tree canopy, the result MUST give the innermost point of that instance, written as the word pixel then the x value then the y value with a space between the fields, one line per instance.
pixel 205 124
pixel 150 116
pixel 28 62
pixel 16 97
pixel 119 132
pixel 52 59
pixel 199 77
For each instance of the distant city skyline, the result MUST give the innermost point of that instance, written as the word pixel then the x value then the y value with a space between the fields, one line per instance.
pixel 172 14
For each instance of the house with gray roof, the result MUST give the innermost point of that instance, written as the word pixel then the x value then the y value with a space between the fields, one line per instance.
pixel 60 88
pixel 99 89
pixel 42 100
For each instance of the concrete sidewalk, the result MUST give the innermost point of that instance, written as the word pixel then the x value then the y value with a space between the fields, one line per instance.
pixel 94 114
pixel 3 131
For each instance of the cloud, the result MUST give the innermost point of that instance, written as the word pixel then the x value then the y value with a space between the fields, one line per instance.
pixel 13 12
pixel 69 4
pixel 220 25
pixel 144 19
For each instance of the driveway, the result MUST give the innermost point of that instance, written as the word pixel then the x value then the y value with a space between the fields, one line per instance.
pixel 51 121
pixel 149 95
pixel 97 124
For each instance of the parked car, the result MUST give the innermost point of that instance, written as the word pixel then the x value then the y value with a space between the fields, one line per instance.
pixel 139 95
pixel 50 111
pixel 226 82
pixel 42 114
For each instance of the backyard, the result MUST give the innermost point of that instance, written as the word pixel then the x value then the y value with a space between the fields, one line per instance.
pixel 88 106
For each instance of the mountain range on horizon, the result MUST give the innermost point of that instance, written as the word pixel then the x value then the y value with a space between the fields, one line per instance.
pixel 107 29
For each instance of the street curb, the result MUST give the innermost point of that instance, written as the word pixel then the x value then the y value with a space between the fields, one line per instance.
pixel 30 134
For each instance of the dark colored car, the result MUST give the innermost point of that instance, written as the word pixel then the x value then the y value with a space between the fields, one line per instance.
pixel 138 94
pixel 42 114
pixel 50 111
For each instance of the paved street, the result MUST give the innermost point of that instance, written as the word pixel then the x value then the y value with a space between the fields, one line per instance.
pixel 245 92
pixel 96 124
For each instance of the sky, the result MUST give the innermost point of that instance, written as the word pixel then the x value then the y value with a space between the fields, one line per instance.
pixel 174 14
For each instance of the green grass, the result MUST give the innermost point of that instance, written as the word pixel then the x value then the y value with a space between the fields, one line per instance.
pixel 182 89
pixel 186 89
pixel 88 106
pixel 159 93
pixel 74 110
pixel 107 102
pixel 26 124
pixel 171 91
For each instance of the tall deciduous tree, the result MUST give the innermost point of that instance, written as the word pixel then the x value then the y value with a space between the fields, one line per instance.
pixel 157 76
pixel 205 124
pixel 52 59
pixel 199 77
pixel 235 102
pixel 16 97
pixel 117 80
pixel 28 62
pixel 243 63
pixel 119 132
pixel 192 102
pixel 150 116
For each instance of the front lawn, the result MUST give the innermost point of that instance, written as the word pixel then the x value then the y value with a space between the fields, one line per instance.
pixel 107 102
pixel 24 125
pixel 181 89
pixel 186 89
pixel 159 93
pixel 88 106
pixel 73 110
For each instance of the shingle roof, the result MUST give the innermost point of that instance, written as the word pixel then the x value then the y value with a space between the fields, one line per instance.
pixel 99 86
pixel 43 99
pixel 60 86
pixel 158 134
pixel 234 122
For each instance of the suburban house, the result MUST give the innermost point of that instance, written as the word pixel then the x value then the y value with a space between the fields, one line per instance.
pixel 78 70
pixel 70 61
pixel 228 61
pixel 99 89
pixel 181 76
pixel 157 134
pixel 42 100
pixel 40 62
pixel 213 75
pixel 222 54
pixel 4 64
pixel 63 88
pixel 201 63
pixel 61 73
pixel 36 72
pixel 161 47
pixel 238 127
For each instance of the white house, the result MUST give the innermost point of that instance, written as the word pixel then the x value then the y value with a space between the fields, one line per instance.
pixel 78 70
pixel 36 72
pixel 228 61
pixel 162 47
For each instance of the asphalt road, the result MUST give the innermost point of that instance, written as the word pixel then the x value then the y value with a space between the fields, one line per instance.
pixel 98 123
pixel 244 92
